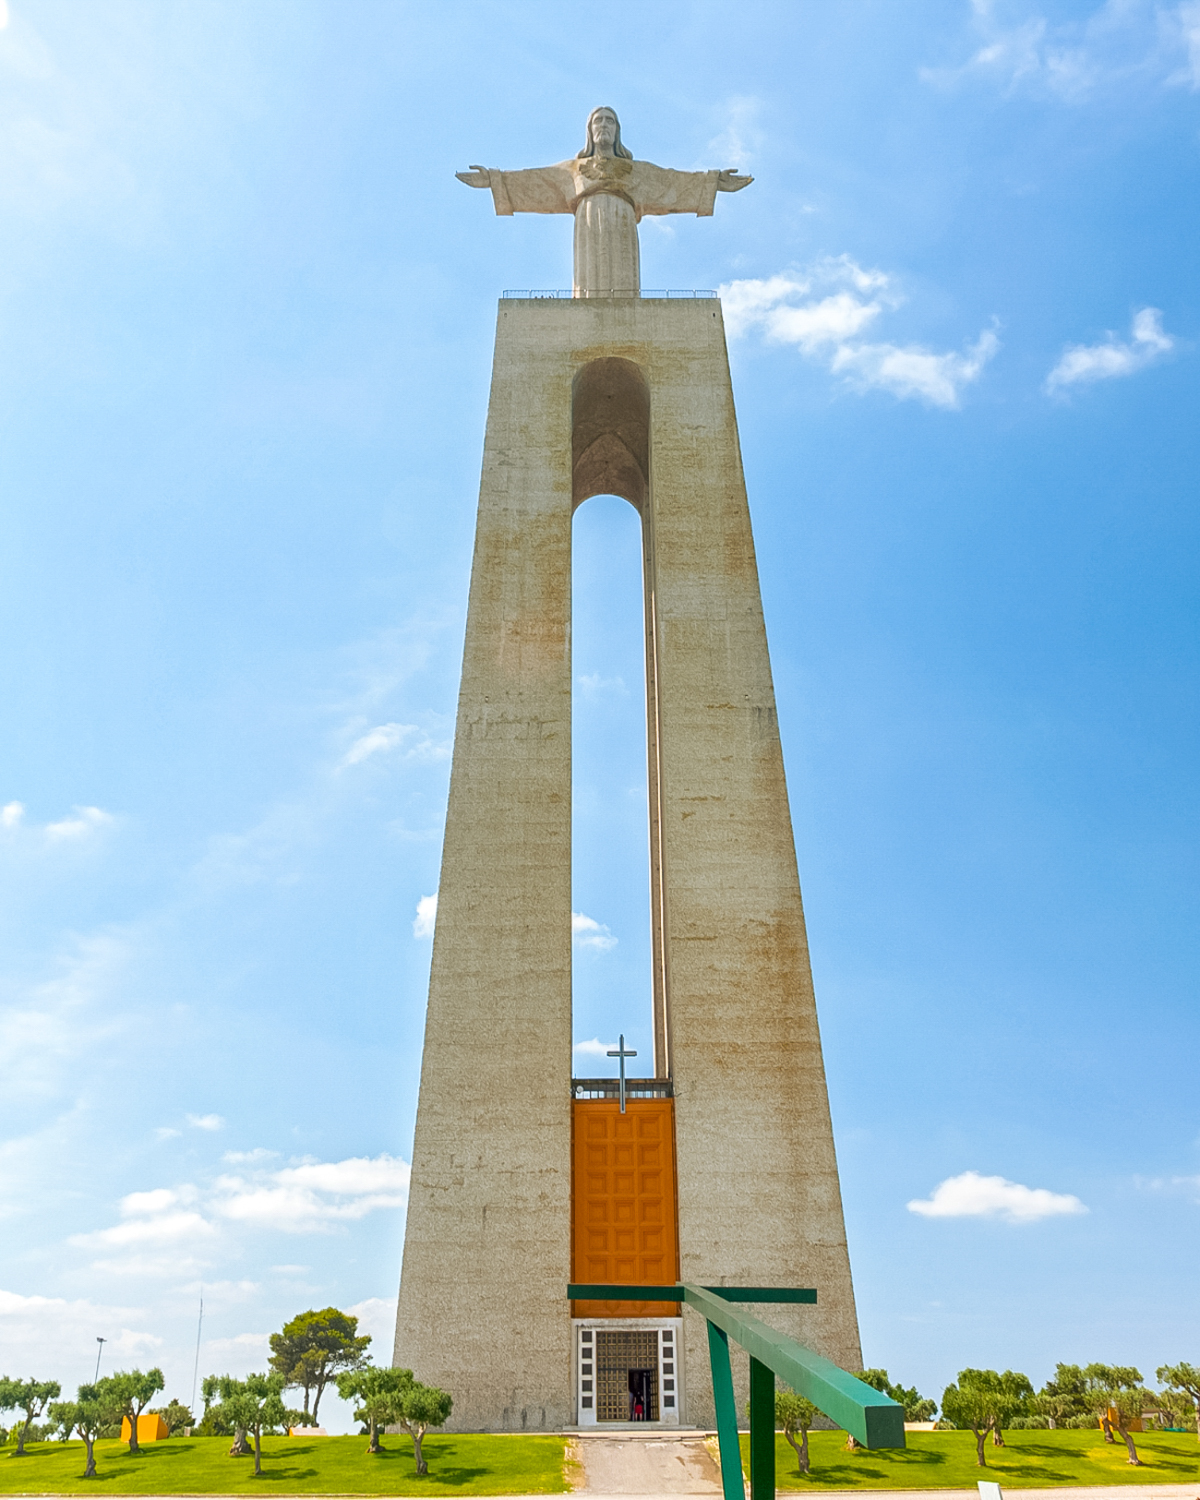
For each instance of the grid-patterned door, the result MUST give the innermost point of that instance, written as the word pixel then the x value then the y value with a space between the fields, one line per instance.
pixel 626 1370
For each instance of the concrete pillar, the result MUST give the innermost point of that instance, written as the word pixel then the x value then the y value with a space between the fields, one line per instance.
pixel 630 397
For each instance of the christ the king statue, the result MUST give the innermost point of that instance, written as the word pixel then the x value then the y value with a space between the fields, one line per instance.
pixel 608 192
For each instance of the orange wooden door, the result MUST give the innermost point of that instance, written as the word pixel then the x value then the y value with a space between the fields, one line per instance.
pixel 624 1214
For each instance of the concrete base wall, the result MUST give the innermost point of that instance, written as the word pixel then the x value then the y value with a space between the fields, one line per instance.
pixel 487 1246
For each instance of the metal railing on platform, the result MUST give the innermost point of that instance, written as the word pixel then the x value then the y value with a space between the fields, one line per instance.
pixel 610 1088
pixel 565 293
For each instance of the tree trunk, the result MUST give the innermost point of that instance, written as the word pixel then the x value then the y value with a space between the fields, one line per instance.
pixel 1124 1431
pixel 240 1446
pixel 25 1426
pixel 997 1436
pixel 418 1433
pixel 373 1445
pixel 257 1452
pixel 320 1389
pixel 980 1438
pixel 90 1471
pixel 1107 1425
pixel 801 1448
pixel 134 1450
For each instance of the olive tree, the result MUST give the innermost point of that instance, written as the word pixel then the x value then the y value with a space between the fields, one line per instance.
pixel 422 1407
pixel 30 1397
pixel 255 1403
pixel 1184 1380
pixel 986 1401
pixel 128 1393
pixel 87 1414
pixel 1119 1389
pixel 795 1414
pixel 380 1395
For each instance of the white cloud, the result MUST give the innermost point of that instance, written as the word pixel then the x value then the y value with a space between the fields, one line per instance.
pixel 936 379
pixel 594 1048
pixel 970 1195
pixel 156 1201
pixel 377 1316
pixel 50 1334
pixel 180 1228
pixel 1121 41
pixel 823 312
pixel 260 1153
pixel 586 932
pixel 1187 18
pixel 86 820
pixel 315 1195
pixel 382 737
pixel 206 1122
pixel 738 143
pixel 167 1132
pixel 595 686
pixel 388 737
pixel 1082 364
pixel 426 917
pixel 57 1020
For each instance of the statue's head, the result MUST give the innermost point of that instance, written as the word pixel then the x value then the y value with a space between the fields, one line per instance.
pixel 604 135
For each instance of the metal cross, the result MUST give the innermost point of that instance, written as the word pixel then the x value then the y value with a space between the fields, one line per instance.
pixel 622 1054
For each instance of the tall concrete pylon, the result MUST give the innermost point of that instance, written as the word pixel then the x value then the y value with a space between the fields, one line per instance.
pixel 632 397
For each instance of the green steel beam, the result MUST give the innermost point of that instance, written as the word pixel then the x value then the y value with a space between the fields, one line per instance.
pixel 608 1293
pixel 726 1408
pixel 873 1418
pixel 762 1431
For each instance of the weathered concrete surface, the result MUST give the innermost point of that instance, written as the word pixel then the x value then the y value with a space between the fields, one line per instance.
pixel 487 1247
pixel 636 1464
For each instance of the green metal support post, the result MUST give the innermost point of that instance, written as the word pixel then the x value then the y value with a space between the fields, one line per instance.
pixel 762 1431
pixel 726 1409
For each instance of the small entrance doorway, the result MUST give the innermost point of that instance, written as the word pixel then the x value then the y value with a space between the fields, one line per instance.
pixel 628 1373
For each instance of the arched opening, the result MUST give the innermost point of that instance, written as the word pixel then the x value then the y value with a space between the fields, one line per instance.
pixel 615 989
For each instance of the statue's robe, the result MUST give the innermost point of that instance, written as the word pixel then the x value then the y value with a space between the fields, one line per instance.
pixel 608 196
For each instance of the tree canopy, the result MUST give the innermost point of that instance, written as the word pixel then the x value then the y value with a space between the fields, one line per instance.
pixel 380 1394
pixel 91 1410
pixel 795 1414
pixel 917 1408
pixel 29 1396
pixel 255 1403
pixel 1185 1380
pixel 127 1393
pixel 986 1401
pixel 314 1348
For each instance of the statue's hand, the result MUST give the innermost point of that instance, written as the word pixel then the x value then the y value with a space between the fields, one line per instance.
pixel 476 177
pixel 728 181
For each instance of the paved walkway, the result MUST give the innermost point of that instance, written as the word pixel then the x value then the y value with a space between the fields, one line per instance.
pixel 640 1463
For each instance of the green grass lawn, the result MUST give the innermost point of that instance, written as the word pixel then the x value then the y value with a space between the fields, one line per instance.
pixel 946 1460
pixel 459 1464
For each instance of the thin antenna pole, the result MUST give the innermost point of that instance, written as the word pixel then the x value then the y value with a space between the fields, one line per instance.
pixel 196 1366
pixel 100 1343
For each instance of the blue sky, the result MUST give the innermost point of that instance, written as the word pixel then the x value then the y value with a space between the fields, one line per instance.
pixel 246 316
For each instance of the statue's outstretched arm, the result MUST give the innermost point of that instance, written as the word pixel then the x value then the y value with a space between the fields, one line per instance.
pixel 728 181
pixel 535 190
